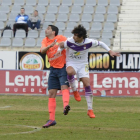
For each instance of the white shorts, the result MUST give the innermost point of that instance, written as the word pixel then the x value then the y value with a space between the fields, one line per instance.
pixel 82 70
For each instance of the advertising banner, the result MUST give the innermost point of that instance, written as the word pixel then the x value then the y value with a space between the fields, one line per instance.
pixel 8 60
pixel 102 84
pixel 21 82
pixel 33 61
pixel 102 61
pixel 98 61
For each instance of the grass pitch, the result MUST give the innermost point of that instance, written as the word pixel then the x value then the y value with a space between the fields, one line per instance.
pixel 21 118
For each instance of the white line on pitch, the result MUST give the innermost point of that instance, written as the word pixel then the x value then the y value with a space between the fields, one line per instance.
pixel 5 107
pixel 34 127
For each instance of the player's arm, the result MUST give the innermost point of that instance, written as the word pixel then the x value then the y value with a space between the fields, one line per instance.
pixel 43 50
pixel 62 46
pixel 103 45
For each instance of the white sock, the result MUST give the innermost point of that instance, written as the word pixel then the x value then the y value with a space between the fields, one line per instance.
pixel 89 100
pixel 71 80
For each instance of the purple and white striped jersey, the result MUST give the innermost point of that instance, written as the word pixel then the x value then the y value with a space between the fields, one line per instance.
pixel 78 52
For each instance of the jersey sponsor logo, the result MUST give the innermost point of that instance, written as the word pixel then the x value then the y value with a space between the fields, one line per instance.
pixel 75 55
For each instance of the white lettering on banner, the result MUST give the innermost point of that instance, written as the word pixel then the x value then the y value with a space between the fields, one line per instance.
pixel 19 80
pixel 7 79
pixel 120 80
pixel 119 60
pixel 107 81
pixel 6 89
pixel 136 92
pixel 128 92
pixel 32 90
pixel 136 57
pixel 112 83
pixel 32 78
pixel 95 85
pixel 16 89
pixel 132 62
pixel 111 91
pixel 24 89
pixel 120 91
pixel 124 61
pixel 134 83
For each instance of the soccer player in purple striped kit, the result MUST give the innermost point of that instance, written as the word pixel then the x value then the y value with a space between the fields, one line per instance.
pixel 77 61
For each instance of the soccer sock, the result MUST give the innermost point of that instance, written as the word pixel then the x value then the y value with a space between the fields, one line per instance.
pixel 65 97
pixel 51 108
pixel 71 80
pixel 89 97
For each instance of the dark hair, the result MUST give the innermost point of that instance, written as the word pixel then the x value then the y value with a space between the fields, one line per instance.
pixel 22 8
pixel 36 10
pixel 80 31
pixel 54 28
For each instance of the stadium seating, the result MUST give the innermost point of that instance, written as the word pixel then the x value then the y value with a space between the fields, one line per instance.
pixel 20 33
pixel 67 2
pixel 99 17
pixel 8 33
pixel 33 34
pixel 30 42
pixel 17 42
pixel 42 2
pixel 4 9
pixel 63 9
pixel 6 2
pixel 91 2
pixel 5 42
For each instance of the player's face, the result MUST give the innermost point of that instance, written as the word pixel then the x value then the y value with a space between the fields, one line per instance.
pixel 48 31
pixel 77 39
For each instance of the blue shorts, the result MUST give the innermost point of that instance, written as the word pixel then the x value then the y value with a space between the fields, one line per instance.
pixel 57 78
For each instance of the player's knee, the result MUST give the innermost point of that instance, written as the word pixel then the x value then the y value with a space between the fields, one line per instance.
pixel 86 84
pixel 63 87
pixel 70 72
pixel 51 94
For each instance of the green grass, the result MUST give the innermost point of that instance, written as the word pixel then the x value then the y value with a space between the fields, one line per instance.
pixel 116 119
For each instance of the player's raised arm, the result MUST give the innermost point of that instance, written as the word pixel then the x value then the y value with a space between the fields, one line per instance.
pixel 103 45
pixel 44 49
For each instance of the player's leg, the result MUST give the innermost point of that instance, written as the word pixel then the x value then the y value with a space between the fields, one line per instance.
pixel 65 89
pixel 83 74
pixel 71 71
pixel 88 96
pixel 53 86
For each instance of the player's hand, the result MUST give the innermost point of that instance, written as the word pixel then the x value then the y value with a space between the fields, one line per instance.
pixel 61 44
pixel 53 43
pixel 112 54
pixel 58 53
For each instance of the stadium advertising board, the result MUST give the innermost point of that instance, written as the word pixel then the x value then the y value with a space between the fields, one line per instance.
pixel 101 61
pixel 33 61
pixel 98 61
pixel 8 60
pixel 35 82
pixel 21 82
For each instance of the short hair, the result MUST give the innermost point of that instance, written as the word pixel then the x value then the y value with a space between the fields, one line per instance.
pixel 54 28
pixel 36 10
pixel 80 31
pixel 22 8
